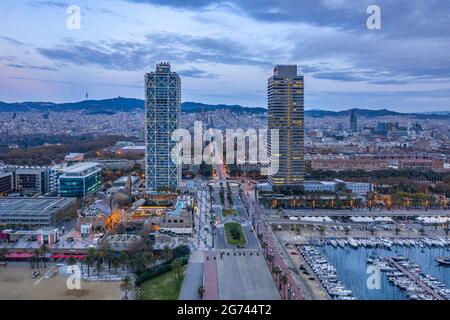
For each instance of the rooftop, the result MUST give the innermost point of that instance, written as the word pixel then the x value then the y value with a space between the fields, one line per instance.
pixel 79 169
pixel 32 206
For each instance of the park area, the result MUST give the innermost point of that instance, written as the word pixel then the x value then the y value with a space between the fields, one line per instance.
pixel 234 234
pixel 164 287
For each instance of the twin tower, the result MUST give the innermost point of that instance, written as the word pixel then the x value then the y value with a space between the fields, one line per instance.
pixel 285 114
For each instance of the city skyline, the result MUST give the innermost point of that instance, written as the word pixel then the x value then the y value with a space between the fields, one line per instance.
pixel 190 151
pixel 345 64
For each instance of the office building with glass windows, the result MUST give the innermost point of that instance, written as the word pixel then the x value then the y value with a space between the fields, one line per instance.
pixel 285 114
pixel 80 180
pixel 163 107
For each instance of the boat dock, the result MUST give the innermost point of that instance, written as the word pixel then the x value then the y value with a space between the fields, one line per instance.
pixel 414 278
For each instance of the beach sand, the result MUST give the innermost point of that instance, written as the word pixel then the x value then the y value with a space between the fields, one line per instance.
pixel 16 283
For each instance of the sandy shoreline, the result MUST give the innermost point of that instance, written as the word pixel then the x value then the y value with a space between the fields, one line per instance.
pixel 16 283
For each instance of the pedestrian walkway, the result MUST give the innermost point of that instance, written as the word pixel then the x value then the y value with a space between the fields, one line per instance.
pixel 194 277
pixel 210 277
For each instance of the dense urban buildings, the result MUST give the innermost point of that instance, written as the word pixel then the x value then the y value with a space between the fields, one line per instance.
pixel 285 113
pixel 163 107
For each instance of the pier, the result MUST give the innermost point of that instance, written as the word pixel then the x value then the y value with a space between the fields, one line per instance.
pixel 411 276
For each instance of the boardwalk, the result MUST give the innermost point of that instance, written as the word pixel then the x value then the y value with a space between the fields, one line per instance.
pixel 278 260
pixel 210 277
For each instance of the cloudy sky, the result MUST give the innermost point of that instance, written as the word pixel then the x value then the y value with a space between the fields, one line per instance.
pixel 225 50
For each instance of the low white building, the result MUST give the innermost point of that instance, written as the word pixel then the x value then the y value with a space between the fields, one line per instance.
pixel 319 186
pixel 358 188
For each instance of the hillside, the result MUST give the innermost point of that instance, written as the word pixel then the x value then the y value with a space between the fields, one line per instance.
pixel 121 104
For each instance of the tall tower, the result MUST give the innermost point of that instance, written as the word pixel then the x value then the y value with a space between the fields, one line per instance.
pixel 163 107
pixel 353 122
pixel 285 113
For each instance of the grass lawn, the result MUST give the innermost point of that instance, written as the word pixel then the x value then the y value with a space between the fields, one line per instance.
pixel 163 287
pixel 229 227
pixel 229 212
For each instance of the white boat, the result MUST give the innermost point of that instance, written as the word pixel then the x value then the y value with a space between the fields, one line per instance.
pixel 352 243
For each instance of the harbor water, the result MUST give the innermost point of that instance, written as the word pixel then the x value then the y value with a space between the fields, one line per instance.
pixel 352 268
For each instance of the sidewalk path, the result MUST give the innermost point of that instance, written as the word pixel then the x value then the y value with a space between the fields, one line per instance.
pixel 194 277
pixel 210 277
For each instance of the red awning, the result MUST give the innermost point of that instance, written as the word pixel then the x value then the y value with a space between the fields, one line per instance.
pixel 19 255
pixel 67 256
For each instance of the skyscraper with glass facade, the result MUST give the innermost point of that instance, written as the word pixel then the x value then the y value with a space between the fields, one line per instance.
pixel 163 107
pixel 285 113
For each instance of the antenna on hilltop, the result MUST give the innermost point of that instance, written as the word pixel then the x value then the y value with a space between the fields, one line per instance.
pixel 87 95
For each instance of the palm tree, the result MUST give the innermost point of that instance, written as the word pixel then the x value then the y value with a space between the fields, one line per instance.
pixel 263 246
pixel 123 257
pixel 422 231
pixel 149 257
pixel 176 266
pixel 284 281
pixel 90 259
pixel 99 267
pixel 167 253
pixel 109 255
pixel 276 270
pixel 30 260
pixel 126 285
pixel 36 254
pixel 81 264
pixel 3 253
pixel 71 262
pixel 115 264
pixel 44 250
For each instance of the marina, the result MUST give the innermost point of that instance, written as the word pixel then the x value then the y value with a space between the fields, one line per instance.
pixel 325 272
pixel 418 285
pixel 408 268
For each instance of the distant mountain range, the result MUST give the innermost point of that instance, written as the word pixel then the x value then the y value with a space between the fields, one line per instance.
pixel 120 104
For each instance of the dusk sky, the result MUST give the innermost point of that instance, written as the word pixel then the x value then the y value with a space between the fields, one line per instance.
pixel 225 50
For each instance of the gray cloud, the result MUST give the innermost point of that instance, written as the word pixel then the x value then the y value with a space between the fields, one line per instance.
pixel 27 66
pixel 52 4
pixel 413 43
pixel 126 55
pixel 12 41
pixel 399 17
pixel 197 74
